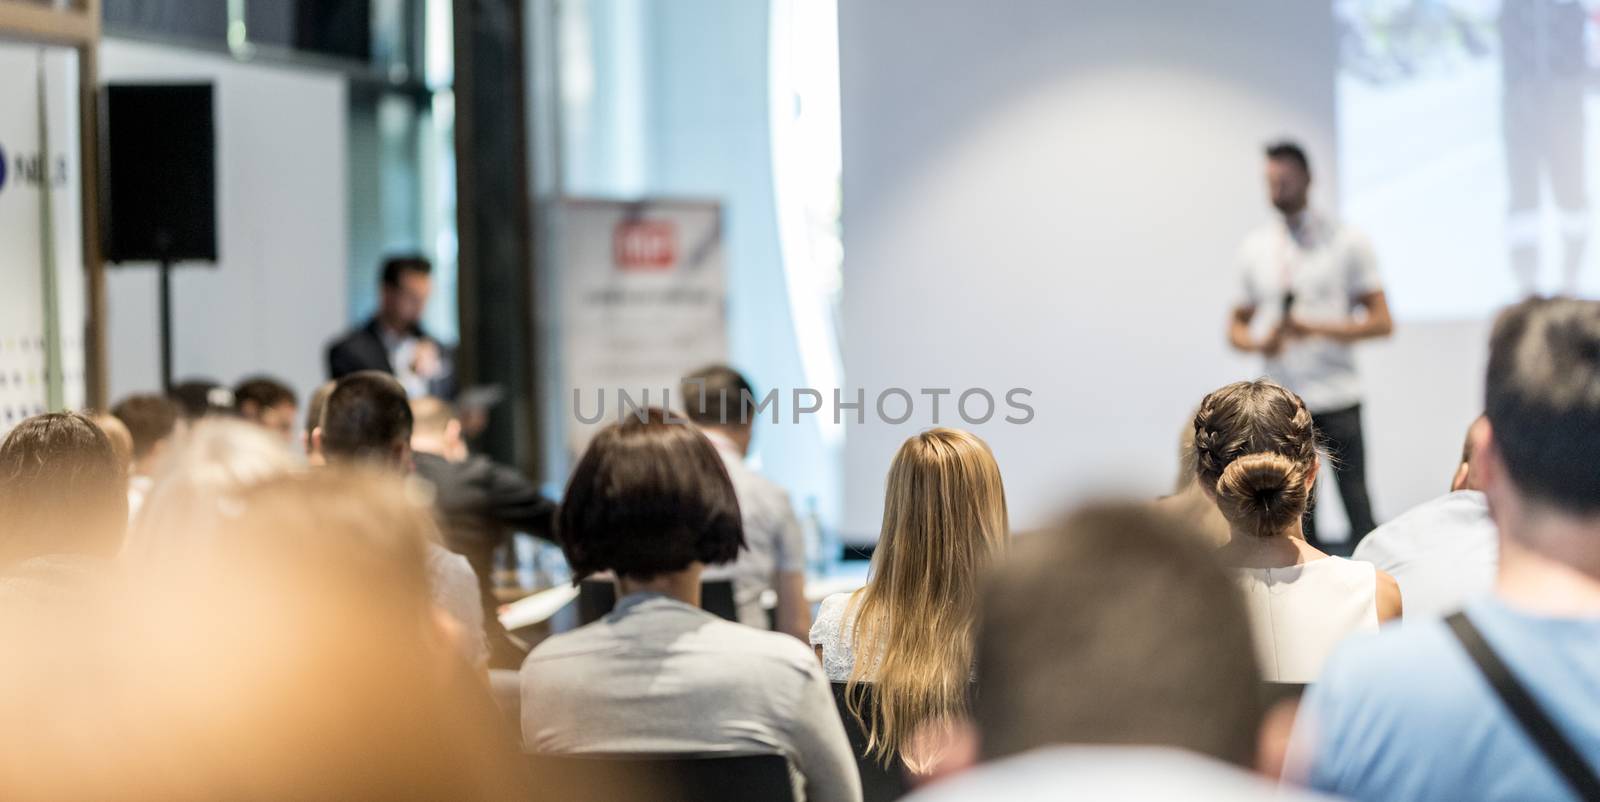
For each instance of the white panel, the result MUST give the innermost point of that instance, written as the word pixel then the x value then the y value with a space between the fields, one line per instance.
pixel 277 293
pixel 1049 195
pixel 36 160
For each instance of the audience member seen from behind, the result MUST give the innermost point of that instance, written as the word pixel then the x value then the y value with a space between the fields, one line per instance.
pixel 1408 715
pixel 1114 662
pixel 1189 502
pixel 218 459
pixel 121 439
pixel 393 341
pixel 651 502
pixel 153 421
pixel 269 403
pixel 1256 454
pixel 366 421
pixel 721 402
pixel 908 633
pixel 1444 552
pixel 480 503
pixel 63 510
pixel 299 656
pixel 314 407
pixel 199 398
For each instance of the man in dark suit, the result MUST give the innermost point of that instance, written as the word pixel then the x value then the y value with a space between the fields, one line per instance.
pixel 480 503
pixel 393 341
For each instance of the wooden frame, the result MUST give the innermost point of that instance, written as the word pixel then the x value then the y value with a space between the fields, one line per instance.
pixel 78 27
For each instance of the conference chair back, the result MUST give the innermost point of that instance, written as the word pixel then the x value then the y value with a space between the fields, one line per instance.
pixel 719 777
pixel 879 783
pixel 596 597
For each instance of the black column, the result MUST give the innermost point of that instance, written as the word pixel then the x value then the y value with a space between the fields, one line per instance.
pixel 496 247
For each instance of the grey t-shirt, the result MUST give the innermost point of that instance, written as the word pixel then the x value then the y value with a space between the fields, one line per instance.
pixel 657 675
pixel 774 542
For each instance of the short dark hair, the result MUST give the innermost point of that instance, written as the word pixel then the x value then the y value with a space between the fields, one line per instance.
pixel 263 392
pixel 395 266
pixel 365 417
pixel 1543 400
pixel 717 396
pixel 150 419
pixel 63 489
pixel 198 398
pixel 649 497
pixel 1116 626
pixel 1290 151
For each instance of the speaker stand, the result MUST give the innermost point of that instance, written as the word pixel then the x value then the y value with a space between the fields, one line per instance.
pixel 166 325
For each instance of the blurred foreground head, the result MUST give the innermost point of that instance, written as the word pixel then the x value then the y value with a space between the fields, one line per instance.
pixel 1116 627
pixel 297 657
pixel 180 517
pixel 63 490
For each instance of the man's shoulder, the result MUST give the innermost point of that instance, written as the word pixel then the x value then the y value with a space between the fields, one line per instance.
pixel 360 333
pixel 1108 772
pixel 1409 663
pixel 753 487
pixel 1439 518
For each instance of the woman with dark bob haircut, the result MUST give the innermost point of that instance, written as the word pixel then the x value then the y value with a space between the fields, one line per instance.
pixel 649 498
pixel 652 503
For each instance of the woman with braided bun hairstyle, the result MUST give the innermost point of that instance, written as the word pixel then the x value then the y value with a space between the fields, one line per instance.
pixel 1255 453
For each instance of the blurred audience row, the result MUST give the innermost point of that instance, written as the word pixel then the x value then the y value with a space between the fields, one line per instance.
pixel 195 607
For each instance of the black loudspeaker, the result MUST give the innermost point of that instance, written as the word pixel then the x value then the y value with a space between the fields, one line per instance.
pixel 160 169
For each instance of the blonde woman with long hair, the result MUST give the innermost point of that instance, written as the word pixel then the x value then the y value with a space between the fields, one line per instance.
pixel 908 634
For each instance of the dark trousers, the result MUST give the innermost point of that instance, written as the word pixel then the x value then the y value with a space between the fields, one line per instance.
pixel 1340 433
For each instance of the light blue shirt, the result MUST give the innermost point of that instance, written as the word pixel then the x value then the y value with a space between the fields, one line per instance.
pixel 1405 715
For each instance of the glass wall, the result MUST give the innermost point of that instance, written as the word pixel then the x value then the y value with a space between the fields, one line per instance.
pixel 397 56
pixel 734 101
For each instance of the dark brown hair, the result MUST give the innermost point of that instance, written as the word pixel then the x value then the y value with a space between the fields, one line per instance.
pixel 718 396
pixel 365 417
pixel 62 489
pixel 649 497
pixel 1543 400
pixel 396 266
pixel 1115 626
pixel 1254 448
pixel 260 393
pixel 149 418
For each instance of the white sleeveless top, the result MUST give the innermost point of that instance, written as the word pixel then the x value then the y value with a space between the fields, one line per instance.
pixel 832 632
pixel 1300 613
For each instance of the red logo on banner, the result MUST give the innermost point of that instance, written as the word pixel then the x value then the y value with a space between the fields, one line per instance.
pixel 645 245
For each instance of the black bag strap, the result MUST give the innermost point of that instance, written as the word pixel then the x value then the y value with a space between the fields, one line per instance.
pixel 1535 722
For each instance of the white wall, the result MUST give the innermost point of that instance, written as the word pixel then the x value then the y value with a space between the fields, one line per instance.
pixel 277 292
pixel 1049 194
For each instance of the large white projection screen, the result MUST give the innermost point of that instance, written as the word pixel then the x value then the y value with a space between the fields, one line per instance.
pixel 1465 147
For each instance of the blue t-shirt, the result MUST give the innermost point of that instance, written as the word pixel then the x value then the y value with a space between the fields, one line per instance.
pixel 1406 716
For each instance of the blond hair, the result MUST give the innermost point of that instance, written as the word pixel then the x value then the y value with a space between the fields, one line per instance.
pixel 944 518
pixel 219 459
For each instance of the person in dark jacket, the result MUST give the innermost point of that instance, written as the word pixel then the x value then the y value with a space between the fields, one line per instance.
pixel 480 504
pixel 393 341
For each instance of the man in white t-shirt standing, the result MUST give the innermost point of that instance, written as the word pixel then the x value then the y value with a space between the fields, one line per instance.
pixel 1315 283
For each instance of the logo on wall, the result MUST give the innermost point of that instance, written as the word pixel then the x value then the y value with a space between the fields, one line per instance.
pixel 645 245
